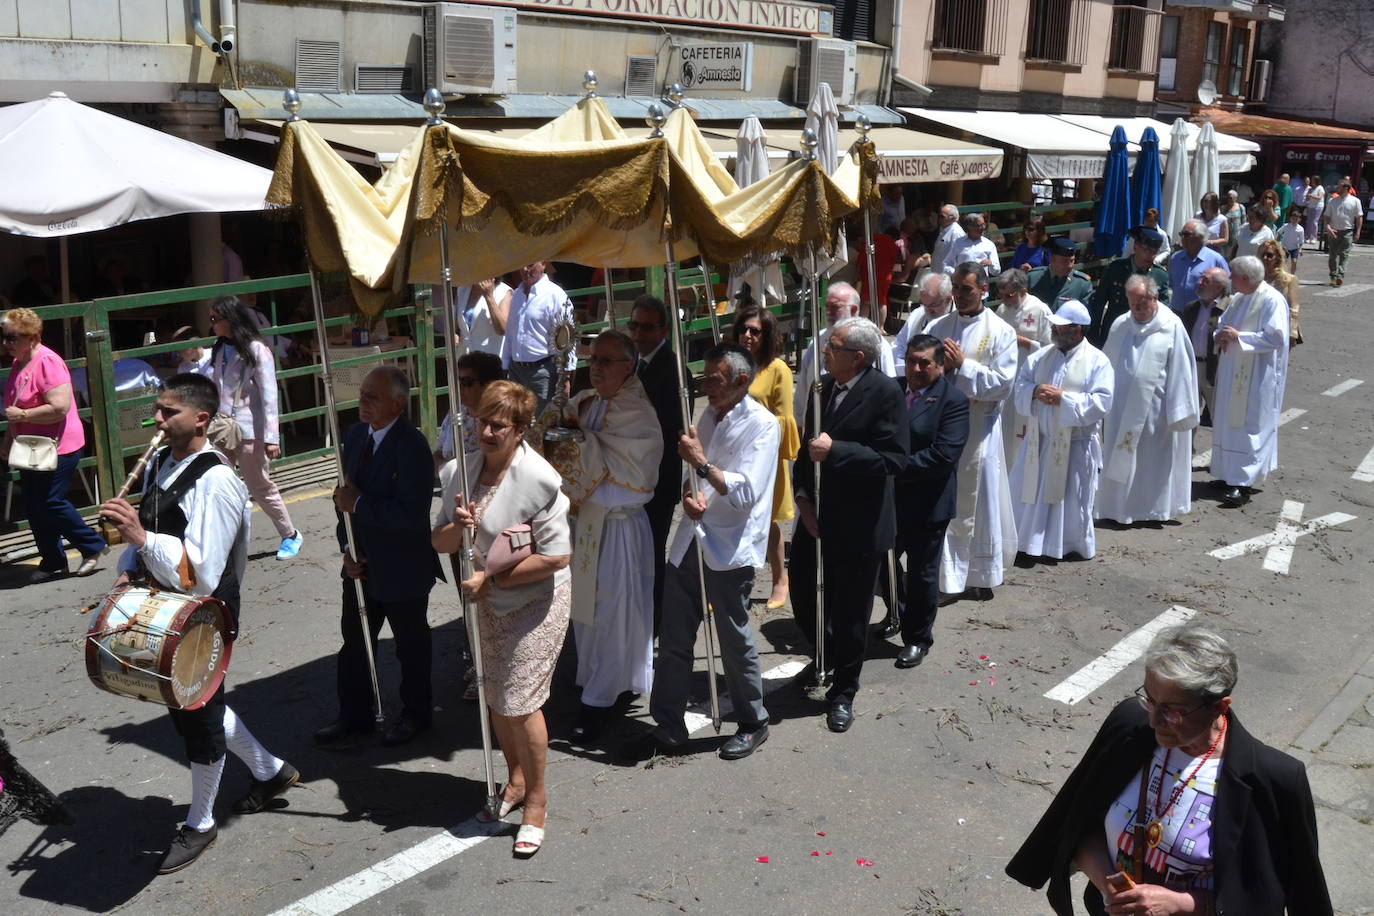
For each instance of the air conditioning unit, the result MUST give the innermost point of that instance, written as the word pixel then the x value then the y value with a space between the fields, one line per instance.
pixel 1259 81
pixel 469 49
pixel 825 60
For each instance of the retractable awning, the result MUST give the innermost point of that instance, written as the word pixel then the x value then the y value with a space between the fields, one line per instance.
pixel 1054 148
pixel 1236 153
pixel 374 144
pixel 911 156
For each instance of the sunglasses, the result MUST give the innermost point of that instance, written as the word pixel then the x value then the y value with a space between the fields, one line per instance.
pixel 13 338
pixel 214 318
pixel 646 325
pixel 750 331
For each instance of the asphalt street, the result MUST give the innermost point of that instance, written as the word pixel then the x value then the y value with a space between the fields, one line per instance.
pixel 915 810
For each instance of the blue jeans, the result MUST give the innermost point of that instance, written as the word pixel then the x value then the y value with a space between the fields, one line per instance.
pixel 52 516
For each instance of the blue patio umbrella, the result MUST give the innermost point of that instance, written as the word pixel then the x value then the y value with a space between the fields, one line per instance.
pixel 1145 180
pixel 1114 206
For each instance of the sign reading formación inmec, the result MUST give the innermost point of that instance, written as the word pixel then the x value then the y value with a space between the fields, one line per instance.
pixel 715 66
pixel 764 15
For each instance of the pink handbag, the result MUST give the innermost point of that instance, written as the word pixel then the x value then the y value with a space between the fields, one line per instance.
pixel 509 548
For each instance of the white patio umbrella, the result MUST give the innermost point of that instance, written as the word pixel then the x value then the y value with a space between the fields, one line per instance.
pixel 76 169
pixel 751 165
pixel 823 119
pixel 1179 201
pixel 1206 162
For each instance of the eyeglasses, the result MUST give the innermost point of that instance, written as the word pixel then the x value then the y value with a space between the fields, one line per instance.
pixel 607 360
pixel 750 331
pixel 214 318
pixel 13 338
pixel 646 325
pixel 1172 715
pixel 468 381
pixel 495 426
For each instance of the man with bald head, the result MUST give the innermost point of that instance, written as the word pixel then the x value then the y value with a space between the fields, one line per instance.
pixel 1187 265
pixel 1199 319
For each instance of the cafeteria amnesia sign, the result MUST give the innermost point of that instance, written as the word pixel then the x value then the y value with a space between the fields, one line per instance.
pixel 765 15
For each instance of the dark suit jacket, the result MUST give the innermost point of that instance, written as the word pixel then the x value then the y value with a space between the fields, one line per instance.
pixel 1264 841
pixel 870 445
pixel 391 522
pixel 660 384
pixel 1189 315
pixel 937 423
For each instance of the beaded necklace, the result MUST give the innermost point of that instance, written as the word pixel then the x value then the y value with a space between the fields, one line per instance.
pixel 1154 831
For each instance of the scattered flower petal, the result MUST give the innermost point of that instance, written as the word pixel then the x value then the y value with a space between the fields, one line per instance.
pixel 973 683
pixel 820 833
pixel 863 862
pixel 983 657
pixel 763 859
pixel 815 852
pixel 829 852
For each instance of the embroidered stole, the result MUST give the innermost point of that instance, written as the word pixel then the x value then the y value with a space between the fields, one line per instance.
pixel 971 461
pixel 1057 477
pixel 1245 366
pixel 1149 375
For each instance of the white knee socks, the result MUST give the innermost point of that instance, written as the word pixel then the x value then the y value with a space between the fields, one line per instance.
pixel 247 748
pixel 204 788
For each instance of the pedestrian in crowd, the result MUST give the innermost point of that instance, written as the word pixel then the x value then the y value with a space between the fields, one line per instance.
pixel 537 307
pixel 1176 794
pixel 38 402
pixel 885 259
pixel 613 581
pixel 925 492
pixel 243 368
pixel 1150 220
pixel 1188 264
pixel 521 595
pixel 1283 195
pixel 1147 471
pixel 1030 319
pixel 841 302
pixel 1291 236
pixel 1200 318
pixel 980 359
pixel 485 307
pixel 1031 251
pixel 756 329
pixel 734 454
pixel 911 247
pixel 1271 256
pixel 1218 236
pixel 1065 391
pixel 950 232
pixel 1271 208
pixel 936 297
pixel 1058 282
pixel 389 478
pixel 476 369
pixel 973 246
pixel 1234 211
pixel 1255 230
pixel 1251 372
pixel 193 359
pixel 1109 301
pixel 656 369
pixel 859 442
pixel 894 204
pixel 1316 208
pixel 1343 218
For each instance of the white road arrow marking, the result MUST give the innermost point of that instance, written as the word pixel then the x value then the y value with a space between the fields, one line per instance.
pixel 1203 459
pixel 1278 547
pixel 1365 472
pixel 1346 291
pixel 1336 391
pixel 1109 664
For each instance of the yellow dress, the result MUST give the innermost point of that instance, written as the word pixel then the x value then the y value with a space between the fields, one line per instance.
pixel 772 388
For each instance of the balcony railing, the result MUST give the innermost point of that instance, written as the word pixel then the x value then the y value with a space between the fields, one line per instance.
pixel 977 26
pixel 1058 31
pixel 1134 42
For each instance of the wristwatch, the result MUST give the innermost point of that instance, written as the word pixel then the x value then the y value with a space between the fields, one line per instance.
pixel 704 471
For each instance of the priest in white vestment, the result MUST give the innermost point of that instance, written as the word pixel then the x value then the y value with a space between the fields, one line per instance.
pixel 1147 472
pixel 841 302
pixel 1064 390
pixel 936 295
pixel 613 562
pixel 1030 319
pixel 1252 335
pixel 980 359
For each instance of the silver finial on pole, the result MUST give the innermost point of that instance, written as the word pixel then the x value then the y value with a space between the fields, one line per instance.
pixel 809 144
pixel 291 104
pixel 863 126
pixel 675 95
pixel 656 119
pixel 589 84
pixel 435 105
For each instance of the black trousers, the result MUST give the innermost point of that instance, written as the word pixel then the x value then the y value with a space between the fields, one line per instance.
pixel 660 512
pixel 202 729
pixel 414 651
pixel 850 577
pixel 922 548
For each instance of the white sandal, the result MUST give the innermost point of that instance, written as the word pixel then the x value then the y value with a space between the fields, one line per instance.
pixel 529 837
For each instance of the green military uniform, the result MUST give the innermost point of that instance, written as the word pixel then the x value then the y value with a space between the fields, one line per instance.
pixel 1055 291
pixel 1109 302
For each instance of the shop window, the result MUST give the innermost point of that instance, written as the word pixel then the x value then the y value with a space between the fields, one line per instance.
pixel 1235 80
pixel 1168 52
pixel 1211 51
pixel 979 26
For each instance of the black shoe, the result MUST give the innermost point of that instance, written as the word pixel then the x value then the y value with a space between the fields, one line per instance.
pixel 887 629
pixel 743 743
pixel 591 720
pixel 263 791
pixel 1234 498
pixel 840 716
pixel 979 593
pixel 342 733
pixel 41 575
pixel 186 847
pixel 911 655
pixel 648 746
pixel 403 730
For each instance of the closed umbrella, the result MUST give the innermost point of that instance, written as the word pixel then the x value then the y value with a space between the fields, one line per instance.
pixel 1145 177
pixel 751 164
pixel 1180 203
pixel 1114 208
pixel 1206 163
pixel 823 119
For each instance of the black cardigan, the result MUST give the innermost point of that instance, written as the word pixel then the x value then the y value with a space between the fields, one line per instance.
pixel 1264 841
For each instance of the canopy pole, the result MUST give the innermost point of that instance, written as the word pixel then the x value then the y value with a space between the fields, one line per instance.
pixel 610 296
pixel 813 304
pixel 710 299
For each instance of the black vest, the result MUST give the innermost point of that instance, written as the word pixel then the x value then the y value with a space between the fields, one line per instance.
pixel 160 511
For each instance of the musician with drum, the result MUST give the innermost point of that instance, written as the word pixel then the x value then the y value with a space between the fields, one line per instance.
pixel 188 539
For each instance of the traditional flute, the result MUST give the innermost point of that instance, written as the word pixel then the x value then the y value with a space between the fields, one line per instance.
pixel 139 465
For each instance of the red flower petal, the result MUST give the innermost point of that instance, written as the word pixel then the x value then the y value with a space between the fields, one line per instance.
pixel 820 833
pixel 763 859
pixel 815 852
pixel 864 862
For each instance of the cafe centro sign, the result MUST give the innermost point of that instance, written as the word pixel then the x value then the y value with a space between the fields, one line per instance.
pixel 763 15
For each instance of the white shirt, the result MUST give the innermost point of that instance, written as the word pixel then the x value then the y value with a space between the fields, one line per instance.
pixel 1343 212
pixel 529 326
pixel 481 332
pixel 943 242
pixel 801 391
pixel 733 532
pixel 966 249
pixel 377 435
pixel 218 517
pixel 646 358
pixel 915 324
pixel 841 391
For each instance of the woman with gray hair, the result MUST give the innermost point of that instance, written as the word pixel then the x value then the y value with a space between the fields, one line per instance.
pixel 1176 808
